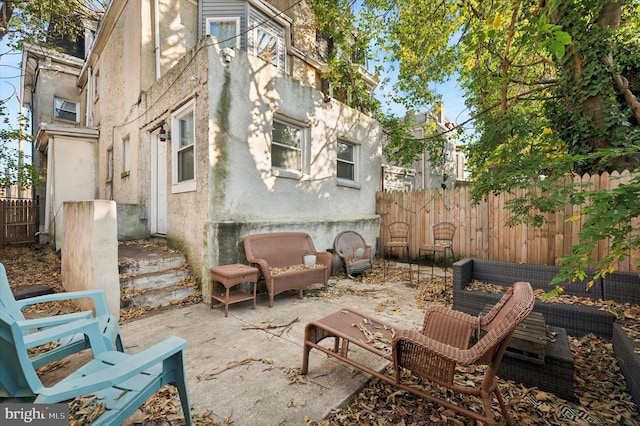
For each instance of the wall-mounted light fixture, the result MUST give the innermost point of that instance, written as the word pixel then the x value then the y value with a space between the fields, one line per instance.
pixel 163 135
pixel 228 54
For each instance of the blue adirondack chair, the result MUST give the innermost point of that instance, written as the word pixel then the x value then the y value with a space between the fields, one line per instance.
pixel 70 344
pixel 123 382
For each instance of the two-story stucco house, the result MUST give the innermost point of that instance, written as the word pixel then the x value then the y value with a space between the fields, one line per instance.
pixel 204 121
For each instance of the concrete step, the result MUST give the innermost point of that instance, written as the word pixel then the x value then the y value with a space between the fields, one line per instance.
pixel 156 297
pixel 137 259
pixel 154 280
pixel 152 275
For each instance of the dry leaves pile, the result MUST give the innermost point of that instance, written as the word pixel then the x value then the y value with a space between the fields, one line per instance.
pixel 600 387
pixel 35 264
pixel 85 409
pixel 292 268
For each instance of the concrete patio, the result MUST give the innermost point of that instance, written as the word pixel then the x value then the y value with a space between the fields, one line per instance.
pixel 240 366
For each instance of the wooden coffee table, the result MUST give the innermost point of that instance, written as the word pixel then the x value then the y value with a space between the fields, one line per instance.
pixel 348 326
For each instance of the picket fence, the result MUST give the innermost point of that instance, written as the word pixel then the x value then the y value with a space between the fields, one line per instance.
pixel 18 221
pixel 482 230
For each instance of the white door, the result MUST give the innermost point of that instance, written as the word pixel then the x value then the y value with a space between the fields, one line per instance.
pixel 159 186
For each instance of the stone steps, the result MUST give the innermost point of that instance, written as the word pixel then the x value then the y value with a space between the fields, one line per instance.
pixel 152 275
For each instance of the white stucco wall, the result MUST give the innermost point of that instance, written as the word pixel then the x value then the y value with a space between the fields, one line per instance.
pixel 126 65
pixel 236 192
pixel 251 190
pixel 187 211
pixel 247 195
pixel 71 172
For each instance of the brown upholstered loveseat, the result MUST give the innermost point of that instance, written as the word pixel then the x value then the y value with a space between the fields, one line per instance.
pixel 286 251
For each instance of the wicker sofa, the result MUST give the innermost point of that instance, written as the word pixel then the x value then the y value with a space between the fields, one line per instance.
pixel 285 250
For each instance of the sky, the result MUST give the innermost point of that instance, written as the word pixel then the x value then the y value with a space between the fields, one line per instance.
pixel 10 81
pixel 453 101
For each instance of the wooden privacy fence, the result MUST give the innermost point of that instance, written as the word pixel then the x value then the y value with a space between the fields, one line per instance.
pixel 18 221
pixel 482 232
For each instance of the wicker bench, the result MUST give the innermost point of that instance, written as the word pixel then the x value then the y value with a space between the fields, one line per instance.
pixel 282 250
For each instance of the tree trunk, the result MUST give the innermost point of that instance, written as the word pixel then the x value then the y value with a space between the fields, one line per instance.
pixel 610 17
pixel 6 10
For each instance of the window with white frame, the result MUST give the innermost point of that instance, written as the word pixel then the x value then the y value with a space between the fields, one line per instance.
pixel 183 143
pixel 225 30
pixel 288 145
pixel 347 161
pixel 267 45
pixel 65 110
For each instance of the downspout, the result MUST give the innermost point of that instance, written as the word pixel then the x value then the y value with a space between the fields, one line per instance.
pixel 156 36
pixel 49 188
pixel 90 91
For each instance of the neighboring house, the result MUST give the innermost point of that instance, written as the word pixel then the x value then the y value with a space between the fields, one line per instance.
pixel 425 174
pixel 15 192
pixel 442 174
pixel 204 122
pixel 65 150
pixel 397 178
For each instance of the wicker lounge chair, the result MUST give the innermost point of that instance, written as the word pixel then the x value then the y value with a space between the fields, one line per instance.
pixel 355 254
pixel 443 344
pixel 434 352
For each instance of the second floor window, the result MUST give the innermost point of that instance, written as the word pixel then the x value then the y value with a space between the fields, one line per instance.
pixel 225 30
pixel 65 110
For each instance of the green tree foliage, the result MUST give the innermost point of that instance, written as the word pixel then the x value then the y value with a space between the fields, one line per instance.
pixel 44 22
pixel 552 86
pixel 14 170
